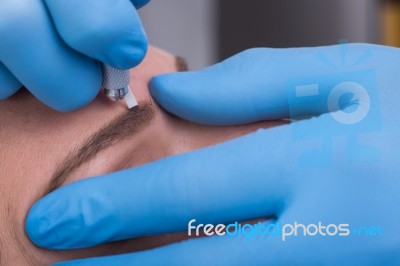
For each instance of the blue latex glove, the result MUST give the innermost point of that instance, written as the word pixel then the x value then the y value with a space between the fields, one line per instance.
pixel 52 47
pixel 337 168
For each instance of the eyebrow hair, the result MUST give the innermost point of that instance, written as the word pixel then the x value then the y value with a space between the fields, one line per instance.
pixel 122 127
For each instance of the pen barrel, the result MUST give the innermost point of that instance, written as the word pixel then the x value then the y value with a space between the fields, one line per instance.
pixel 115 82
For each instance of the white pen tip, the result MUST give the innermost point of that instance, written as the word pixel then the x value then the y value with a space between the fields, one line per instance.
pixel 130 99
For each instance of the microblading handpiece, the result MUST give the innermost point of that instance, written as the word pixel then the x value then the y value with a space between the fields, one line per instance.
pixel 116 85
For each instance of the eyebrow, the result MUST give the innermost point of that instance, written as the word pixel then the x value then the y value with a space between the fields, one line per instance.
pixel 121 128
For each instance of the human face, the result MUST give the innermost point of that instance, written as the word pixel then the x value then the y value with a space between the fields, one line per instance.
pixel 39 145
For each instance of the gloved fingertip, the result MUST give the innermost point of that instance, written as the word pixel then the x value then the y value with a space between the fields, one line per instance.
pixel 177 94
pixel 127 55
pixel 115 37
pixel 161 89
pixel 8 92
pixel 36 225
pixel 73 105
pixel 119 51
pixel 183 88
pixel 72 95
pixel 9 85
pixel 44 223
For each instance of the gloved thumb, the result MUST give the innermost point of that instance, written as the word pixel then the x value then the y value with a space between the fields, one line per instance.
pixel 251 86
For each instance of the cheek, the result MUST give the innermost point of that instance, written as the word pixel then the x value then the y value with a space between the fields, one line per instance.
pixel 17 196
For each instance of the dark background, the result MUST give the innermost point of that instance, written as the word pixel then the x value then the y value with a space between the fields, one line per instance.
pixel 288 23
pixel 207 31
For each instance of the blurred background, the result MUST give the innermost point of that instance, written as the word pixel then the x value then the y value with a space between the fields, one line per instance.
pixel 208 31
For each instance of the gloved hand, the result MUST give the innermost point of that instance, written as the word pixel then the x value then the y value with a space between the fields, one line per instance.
pixel 52 47
pixel 339 169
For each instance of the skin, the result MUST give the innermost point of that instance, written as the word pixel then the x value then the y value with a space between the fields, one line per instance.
pixel 36 138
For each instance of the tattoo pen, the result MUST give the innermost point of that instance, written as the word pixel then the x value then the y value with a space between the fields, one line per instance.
pixel 116 85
